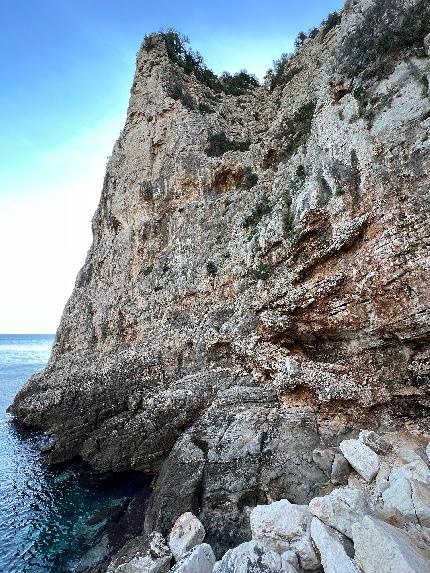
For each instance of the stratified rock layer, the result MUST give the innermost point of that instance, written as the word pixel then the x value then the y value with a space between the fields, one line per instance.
pixel 239 310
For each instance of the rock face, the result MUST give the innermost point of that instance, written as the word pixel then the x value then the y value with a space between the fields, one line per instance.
pixel 257 286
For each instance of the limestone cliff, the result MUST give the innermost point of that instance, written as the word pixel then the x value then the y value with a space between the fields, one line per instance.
pixel 257 286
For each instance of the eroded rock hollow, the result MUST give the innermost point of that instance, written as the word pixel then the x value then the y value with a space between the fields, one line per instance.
pixel 257 287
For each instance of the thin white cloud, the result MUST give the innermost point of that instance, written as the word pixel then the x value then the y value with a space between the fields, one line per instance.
pixel 45 228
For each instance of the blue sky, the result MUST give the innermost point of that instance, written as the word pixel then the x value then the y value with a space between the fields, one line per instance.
pixel 66 70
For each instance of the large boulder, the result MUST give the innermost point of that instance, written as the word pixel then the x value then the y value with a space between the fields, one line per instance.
pixel 200 559
pixel 140 555
pixel 333 547
pixel 187 532
pixel 362 458
pixel 408 493
pixel 283 526
pixel 341 508
pixel 251 557
pixel 383 548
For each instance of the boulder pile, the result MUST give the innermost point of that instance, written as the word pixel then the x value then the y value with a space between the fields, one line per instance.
pixel 378 523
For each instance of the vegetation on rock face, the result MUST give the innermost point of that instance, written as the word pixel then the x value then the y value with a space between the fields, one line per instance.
pixel 332 20
pixel 177 92
pixel 281 73
pixel 211 268
pixel 218 144
pixel 386 30
pixel 192 63
pixel 262 208
pixel 293 133
pixel 250 179
pixel 261 272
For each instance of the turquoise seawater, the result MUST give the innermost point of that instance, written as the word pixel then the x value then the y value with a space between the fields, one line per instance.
pixel 49 517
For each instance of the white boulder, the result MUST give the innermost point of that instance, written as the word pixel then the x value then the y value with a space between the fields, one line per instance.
pixel 341 508
pixel 200 559
pixel 289 558
pixel 332 547
pixel 251 557
pixel 397 498
pixel 408 494
pixel 153 556
pixel 363 459
pixel 382 548
pixel 187 532
pixel 283 526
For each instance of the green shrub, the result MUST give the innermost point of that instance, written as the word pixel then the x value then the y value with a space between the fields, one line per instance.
pixel 192 62
pixel 332 20
pixel 218 144
pixel 262 208
pixel 277 75
pixel 211 269
pixel 204 108
pixel 298 42
pixel 177 92
pixel 301 173
pixel 261 272
pixel 296 130
pixel 239 83
pixel 250 180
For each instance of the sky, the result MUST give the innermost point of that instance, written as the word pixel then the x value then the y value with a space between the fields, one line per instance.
pixel 65 77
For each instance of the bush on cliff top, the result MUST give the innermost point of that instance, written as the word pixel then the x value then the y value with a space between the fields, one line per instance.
pixel 279 74
pixel 192 62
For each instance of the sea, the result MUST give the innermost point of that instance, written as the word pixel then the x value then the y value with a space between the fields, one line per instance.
pixel 51 518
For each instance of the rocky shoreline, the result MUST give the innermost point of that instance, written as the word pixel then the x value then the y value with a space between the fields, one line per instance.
pixel 378 523
pixel 257 288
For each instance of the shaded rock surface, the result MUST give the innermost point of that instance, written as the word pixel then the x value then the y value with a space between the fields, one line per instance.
pixel 241 307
